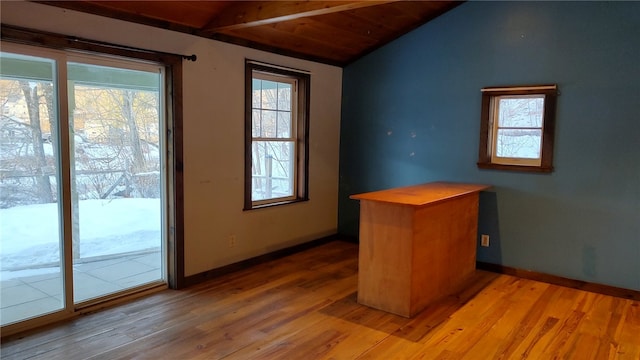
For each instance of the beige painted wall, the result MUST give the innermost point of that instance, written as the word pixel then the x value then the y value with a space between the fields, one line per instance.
pixel 214 135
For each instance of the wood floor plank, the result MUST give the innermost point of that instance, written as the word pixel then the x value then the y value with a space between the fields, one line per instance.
pixel 518 334
pixel 629 335
pixel 304 306
pixel 224 332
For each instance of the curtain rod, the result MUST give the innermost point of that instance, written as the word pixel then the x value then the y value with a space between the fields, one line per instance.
pixel 191 57
pixel 48 39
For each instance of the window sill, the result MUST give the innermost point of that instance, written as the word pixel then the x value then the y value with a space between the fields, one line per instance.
pixel 522 168
pixel 279 203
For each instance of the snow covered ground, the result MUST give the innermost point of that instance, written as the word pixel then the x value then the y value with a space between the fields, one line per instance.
pixel 29 235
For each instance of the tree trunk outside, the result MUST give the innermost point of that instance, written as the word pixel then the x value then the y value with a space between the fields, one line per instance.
pixel 42 178
pixel 134 137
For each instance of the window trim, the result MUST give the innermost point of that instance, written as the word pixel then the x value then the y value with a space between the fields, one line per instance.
pixel 301 166
pixel 486 159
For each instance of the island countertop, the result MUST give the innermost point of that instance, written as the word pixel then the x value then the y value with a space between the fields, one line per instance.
pixel 422 194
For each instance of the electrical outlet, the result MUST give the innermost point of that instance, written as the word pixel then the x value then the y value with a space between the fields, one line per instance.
pixel 232 241
pixel 484 240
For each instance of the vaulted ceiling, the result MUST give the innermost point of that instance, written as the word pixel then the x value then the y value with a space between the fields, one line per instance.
pixel 331 32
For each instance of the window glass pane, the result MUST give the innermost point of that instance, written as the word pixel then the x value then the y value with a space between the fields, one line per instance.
pixel 519 143
pixel 522 111
pixel 269 95
pixel 25 67
pixel 116 173
pixel 257 90
pixel 31 281
pixel 272 171
pixel 284 96
pixel 268 123
pixel 256 123
pixel 94 75
pixel 284 124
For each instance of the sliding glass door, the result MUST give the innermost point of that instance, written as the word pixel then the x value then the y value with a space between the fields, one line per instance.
pixel 116 163
pixel 31 268
pixel 82 204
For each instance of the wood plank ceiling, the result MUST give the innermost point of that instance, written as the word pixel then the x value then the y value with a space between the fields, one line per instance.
pixel 331 32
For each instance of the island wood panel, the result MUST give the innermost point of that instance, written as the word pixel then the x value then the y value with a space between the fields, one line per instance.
pixel 385 285
pixel 417 244
pixel 444 249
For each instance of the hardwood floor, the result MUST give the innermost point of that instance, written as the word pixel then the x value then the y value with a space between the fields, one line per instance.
pixel 304 307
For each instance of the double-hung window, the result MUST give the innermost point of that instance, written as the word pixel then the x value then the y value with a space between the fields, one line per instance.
pixel 517 128
pixel 276 135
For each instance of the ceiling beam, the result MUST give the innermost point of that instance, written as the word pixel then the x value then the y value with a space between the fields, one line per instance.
pixel 243 14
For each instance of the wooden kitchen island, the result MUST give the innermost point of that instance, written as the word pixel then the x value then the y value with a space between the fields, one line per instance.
pixel 417 244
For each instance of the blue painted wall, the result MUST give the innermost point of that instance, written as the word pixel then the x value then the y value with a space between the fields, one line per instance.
pixel 411 114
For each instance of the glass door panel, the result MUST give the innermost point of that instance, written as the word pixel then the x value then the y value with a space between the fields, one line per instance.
pixel 31 269
pixel 117 181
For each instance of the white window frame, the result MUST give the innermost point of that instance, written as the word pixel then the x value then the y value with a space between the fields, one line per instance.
pixel 495 121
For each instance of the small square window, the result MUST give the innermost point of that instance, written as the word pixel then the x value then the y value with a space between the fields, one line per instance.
pixel 517 128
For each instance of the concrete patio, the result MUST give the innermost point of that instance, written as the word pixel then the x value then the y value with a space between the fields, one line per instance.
pixel 27 296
